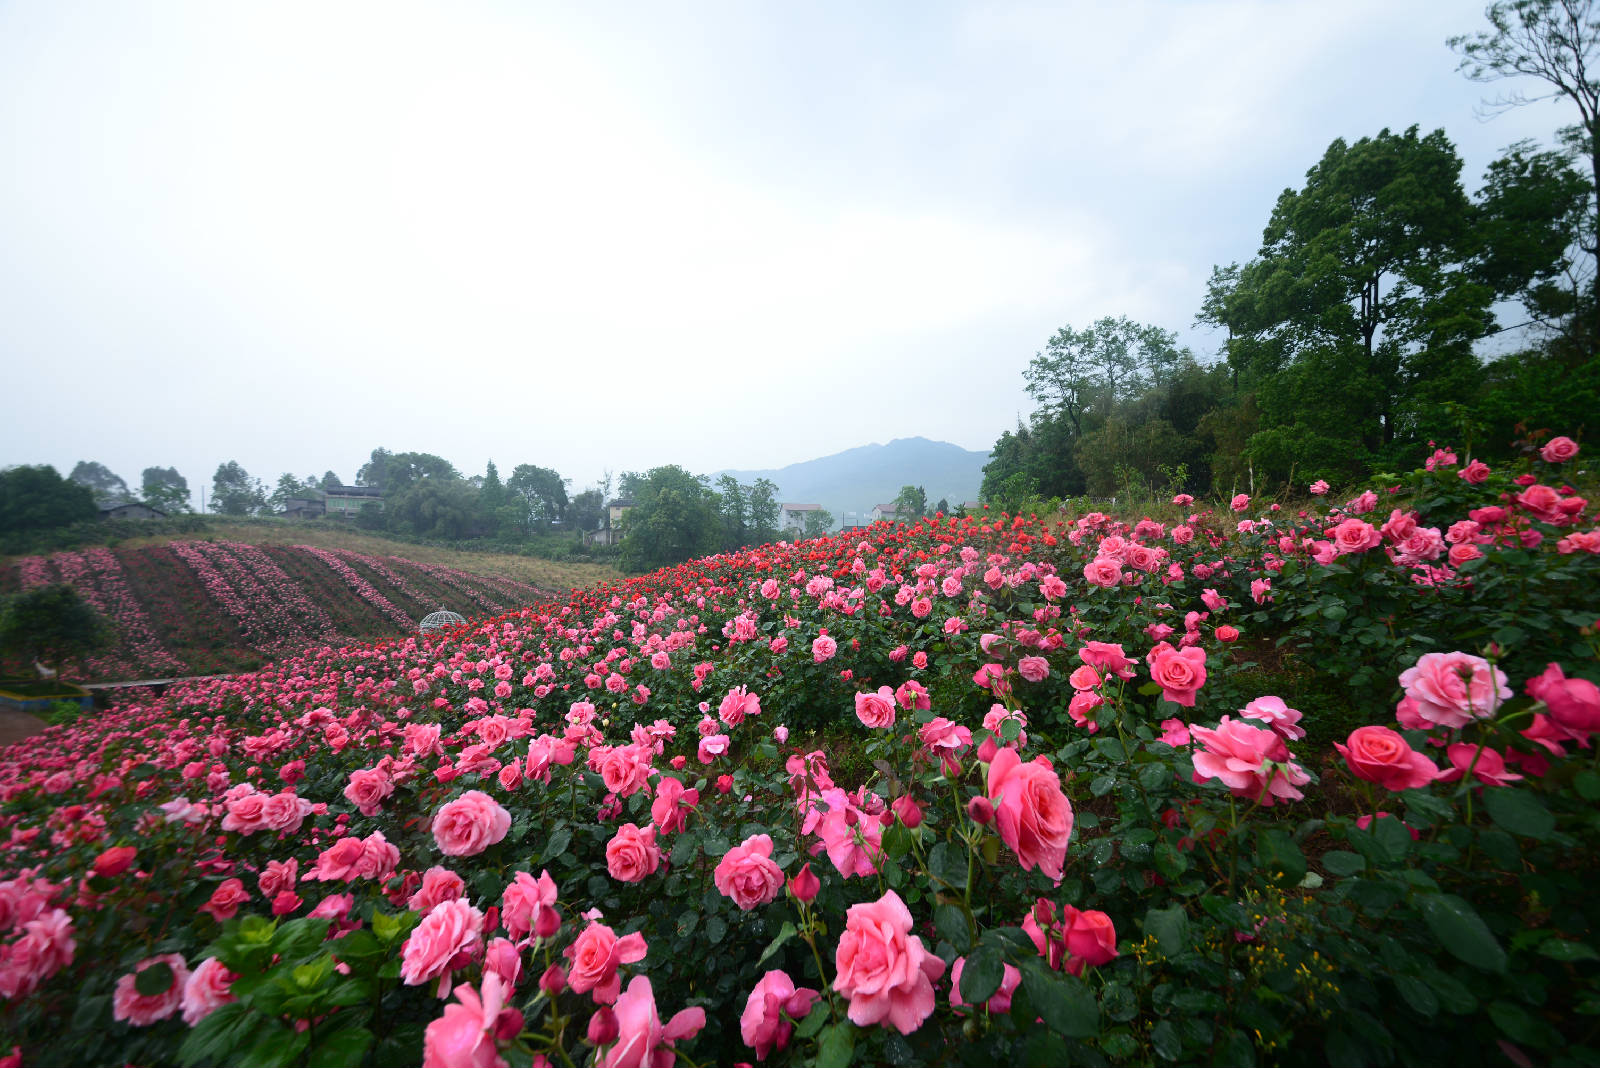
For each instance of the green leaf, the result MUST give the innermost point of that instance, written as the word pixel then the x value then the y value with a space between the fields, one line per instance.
pixel 981 975
pixel 951 923
pixel 897 840
pixel 785 933
pixel 218 1035
pixel 1043 1049
pixel 557 844
pixel 1164 1037
pixel 1150 689
pixel 1418 994
pixel 1342 862
pixel 684 850
pixel 1170 928
pixel 716 930
pixel 154 979
pixel 1462 932
pixel 1562 950
pixel 948 865
pixel 1062 1000
pixel 1587 784
pixel 341 1048
pixel 1519 811
pixel 836 1046
pixel 1280 858
pixel 812 1023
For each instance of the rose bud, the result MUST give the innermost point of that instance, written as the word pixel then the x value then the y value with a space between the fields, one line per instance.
pixel 981 810
pixel 603 1028
pixel 804 885
pixel 554 980
pixel 908 810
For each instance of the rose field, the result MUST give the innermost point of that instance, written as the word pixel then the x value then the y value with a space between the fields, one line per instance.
pixel 1238 783
pixel 203 607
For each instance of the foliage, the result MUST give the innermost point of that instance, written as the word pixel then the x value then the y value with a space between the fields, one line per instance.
pixel 50 623
pixel 234 492
pixel 674 518
pixel 36 498
pixel 166 490
pixel 108 488
pixel 911 503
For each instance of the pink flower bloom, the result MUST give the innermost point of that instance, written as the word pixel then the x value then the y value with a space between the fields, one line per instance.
pixel 226 899
pixel 946 740
pixel 142 1010
pixel 1240 502
pixel 1103 571
pixel 876 709
pixel 527 908
pixel 464 1036
pixel 823 649
pixel 999 1001
pixel 1380 755
pixel 883 968
pixel 747 874
pixel 1073 939
pixel 1179 672
pixel 1252 762
pixel 1453 689
pixel 1488 766
pixel 1107 658
pixel 1034 668
pixel 672 805
pixel 1475 472
pixel 206 990
pixel 1175 732
pixel 763 1024
pixel 640 1033
pixel 711 747
pixel 1559 450
pixel 449 937
pixel 595 955
pixel 737 705
pixel 438 886
pixel 1274 713
pixel 367 789
pixel 1032 814
pixel 470 824
pixel 1574 704
pixel 1354 536
pixel 1319 487
pixel 632 854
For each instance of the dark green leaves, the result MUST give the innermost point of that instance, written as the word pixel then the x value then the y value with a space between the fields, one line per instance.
pixel 1462 932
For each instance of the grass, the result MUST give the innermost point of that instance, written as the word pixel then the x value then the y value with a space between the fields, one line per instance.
pixel 546 574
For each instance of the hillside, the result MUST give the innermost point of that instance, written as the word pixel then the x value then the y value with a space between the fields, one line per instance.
pixel 188 607
pixel 856 479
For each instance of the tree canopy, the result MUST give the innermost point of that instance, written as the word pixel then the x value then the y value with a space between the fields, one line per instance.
pixel 36 497
pixel 50 624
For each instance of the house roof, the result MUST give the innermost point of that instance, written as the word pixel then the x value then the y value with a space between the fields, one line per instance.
pixel 801 507
pixel 886 509
pixel 354 491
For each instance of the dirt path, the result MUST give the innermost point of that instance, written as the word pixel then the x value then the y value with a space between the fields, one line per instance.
pixel 15 726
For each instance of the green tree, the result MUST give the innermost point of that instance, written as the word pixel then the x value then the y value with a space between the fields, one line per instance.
pixel 108 488
pixel 330 481
pixel 542 493
pixel 910 504
pixel 165 489
pixel 734 512
pixel 586 510
pixel 50 624
pixel 817 523
pixel 1556 42
pixel 444 508
pixel 1530 229
pixel 1362 285
pixel 674 518
pixel 38 498
pixel 290 488
pixel 234 492
pixel 761 500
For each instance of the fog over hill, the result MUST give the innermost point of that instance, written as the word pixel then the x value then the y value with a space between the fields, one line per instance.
pixel 849 483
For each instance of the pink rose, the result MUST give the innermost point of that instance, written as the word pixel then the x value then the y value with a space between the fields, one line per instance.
pixel 1453 689
pixel 449 937
pixel 1179 672
pixel 672 805
pixel 1034 668
pixel 876 709
pixel 1274 713
pixel 711 747
pixel 527 907
pixel 632 854
pixel 747 874
pixel 596 954
pixel 142 1010
pixel 883 968
pixel 626 769
pixel 464 1036
pixel 1354 536
pixel 1175 732
pixel 338 862
pixel 767 1020
pixel 1574 704
pixel 1107 658
pixel 1103 571
pixel 438 886
pixel 1476 472
pixel 207 989
pixel 823 648
pixel 999 1001
pixel 1559 450
pixel 284 811
pixel 1319 487
pixel 1487 765
pixel 1252 762
pixel 1240 502
pixel 470 824
pixel 367 789
pixel 1033 816
pixel 1380 755
pixel 226 899
pixel 640 1033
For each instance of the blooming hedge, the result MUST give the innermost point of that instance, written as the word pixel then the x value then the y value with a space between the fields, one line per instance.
pixel 1244 787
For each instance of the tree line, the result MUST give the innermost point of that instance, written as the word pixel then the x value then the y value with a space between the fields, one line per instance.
pixel 1352 337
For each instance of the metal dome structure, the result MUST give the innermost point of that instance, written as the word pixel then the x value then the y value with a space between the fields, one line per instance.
pixel 440 620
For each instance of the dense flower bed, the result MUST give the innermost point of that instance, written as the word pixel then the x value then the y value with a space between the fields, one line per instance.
pixel 1055 813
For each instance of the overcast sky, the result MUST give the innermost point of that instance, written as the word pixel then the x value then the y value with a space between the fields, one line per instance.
pixel 595 236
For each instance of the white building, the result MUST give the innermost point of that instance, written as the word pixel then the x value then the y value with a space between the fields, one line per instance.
pixel 793 516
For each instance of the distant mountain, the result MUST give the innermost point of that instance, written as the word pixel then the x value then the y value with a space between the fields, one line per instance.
pixel 849 483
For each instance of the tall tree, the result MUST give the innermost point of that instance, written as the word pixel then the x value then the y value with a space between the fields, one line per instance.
pixel 50 624
pixel 586 510
pixel 38 498
pixel 910 504
pixel 108 488
pixel 164 488
pixel 234 492
pixel 761 498
pixel 542 492
pixel 674 518
pixel 1558 43
pixel 817 523
pixel 291 487
pixel 330 481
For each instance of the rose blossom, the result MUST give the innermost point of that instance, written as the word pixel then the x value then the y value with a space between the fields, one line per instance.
pixel 876 709
pixel 142 1010
pixel 438 886
pixel 1574 704
pixel 367 789
pixel 1380 755
pixel 1559 450
pixel 595 955
pixel 1488 766
pixel 1107 658
pixel 1033 815
pixel 527 907
pixel 470 824
pixel 762 1024
pixel 447 938
pixel 632 854
pixel 639 1030
pixel 672 805
pixel 823 648
pixel 747 874
pixel 1239 755
pixel 1274 713
pixel 1453 689
pixel 226 899
pixel 999 1001
pixel 883 968
pixel 464 1036
pixel 1179 672
pixel 206 990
